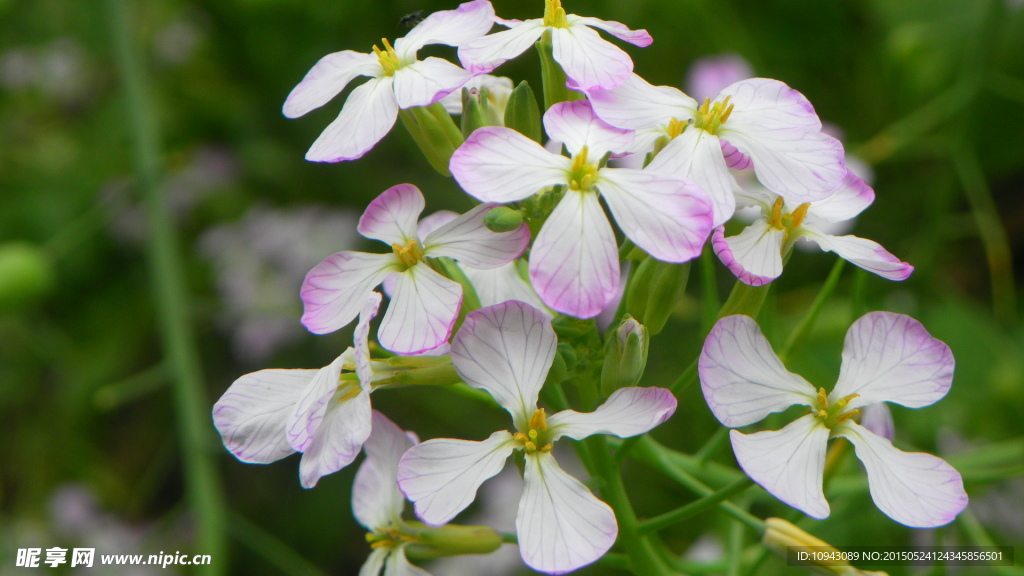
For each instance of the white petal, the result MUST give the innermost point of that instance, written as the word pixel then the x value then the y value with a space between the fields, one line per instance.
pixel 892 358
pixel 327 78
pixel 368 115
pixel 430 223
pixel 742 378
pixel 637 105
pixel 636 37
pixel 627 412
pixel 778 129
pixel 398 565
pixel 561 525
pixel 852 197
pixel 391 217
pixel 865 253
pixel 253 413
pixel 788 463
pixel 487 53
pixel 335 289
pixel 441 476
pixel 877 419
pixel 574 263
pixel 374 562
pixel 589 60
pixel 498 164
pixel 376 499
pixel 913 488
pixel 361 339
pixel 755 255
pixel 425 82
pixel 575 125
pixel 309 411
pixel 666 216
pixel 469 21
pixel 468 240
pixel 697 156
pixel 422 313
pixel 338 438
pixel 506 350
pixel 501 284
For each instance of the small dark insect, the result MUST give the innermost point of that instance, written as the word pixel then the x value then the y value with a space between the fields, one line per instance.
pixel 410 20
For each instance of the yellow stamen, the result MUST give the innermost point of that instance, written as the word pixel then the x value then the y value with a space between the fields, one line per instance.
pixel 676 127
pixel 539 421
pixel 409 254
pixel 847 415
pixel 776 218
pixel 388 58
pixel 351 390
pixel 798 215
pixel 554 14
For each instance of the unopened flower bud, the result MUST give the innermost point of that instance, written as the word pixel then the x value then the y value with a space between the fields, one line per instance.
pixel 655 288
pixel 625 356
pixel 450 540
pixel 784 538
pixel 522 113
pixel 503 219
pixel 476 111
pixel 434 132
pixel 26 272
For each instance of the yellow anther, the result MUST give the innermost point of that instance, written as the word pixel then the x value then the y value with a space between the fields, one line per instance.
pixel 676 127
pixel 409 254
pixel 822 396
pixel 547 448
pixel 798 215
pixel 520 437
pixel 349 390
pixel 530 446
pixel 554 14
pixel 704 107
pixel 539 420
pixel 847 415
pixel 727 109
pixel 582 174
pixel 823 414
pixel 842 403
pixel 710 117
pixel 776 217
pixel 388 58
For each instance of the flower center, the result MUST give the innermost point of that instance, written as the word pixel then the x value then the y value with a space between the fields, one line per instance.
pixel 390 537
pixel 836 414
pixel 582 175
pixel 554 14
pixel 388 58
pixel 710 117
pixel 409 254
pixel 784 221
pixel 536 438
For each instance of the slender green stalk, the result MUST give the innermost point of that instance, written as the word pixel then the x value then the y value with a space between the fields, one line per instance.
pixel 191 408
pixel 709 289
pixel 713 444
pixel 272 550
pixel 807 322
pixel 694 508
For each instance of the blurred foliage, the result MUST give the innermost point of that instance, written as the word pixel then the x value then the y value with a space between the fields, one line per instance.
pixel 930 92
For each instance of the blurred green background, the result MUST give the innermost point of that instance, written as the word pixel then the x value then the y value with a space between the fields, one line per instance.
pixel 107 440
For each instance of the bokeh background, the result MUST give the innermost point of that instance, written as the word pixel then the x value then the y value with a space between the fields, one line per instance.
pixel 108 373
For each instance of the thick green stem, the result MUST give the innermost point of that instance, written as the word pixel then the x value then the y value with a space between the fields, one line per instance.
pixel 191 408
pixel 694 508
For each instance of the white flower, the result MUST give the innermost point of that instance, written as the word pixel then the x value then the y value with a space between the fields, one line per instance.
pixel 507 350
pixel 886 358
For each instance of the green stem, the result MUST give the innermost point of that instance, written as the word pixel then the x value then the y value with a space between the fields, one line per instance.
pixel 709 289
pixel 694 508
pixel 554 78
pixel 807 322
pixel 192 410
pixel 717 440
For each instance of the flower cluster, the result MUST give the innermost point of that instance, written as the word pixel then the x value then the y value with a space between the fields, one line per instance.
pixel 499 301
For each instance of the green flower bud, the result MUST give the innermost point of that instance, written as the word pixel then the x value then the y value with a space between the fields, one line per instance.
pixel 654 289
pixel 26 272
pixel 625 356
pixel 434 132
pixel 476 111
pixel 449 540
pixel 503 219
pixel 522 113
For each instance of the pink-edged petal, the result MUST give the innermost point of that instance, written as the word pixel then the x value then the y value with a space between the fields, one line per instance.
pixel 441 476
pixel 574 263
pixel 627 412
pixel 422 313
pixel 575 125
pixel 506 350
pixel 368 115
pixel 312 404
pixel 376 499
pixel 471 20
pixel 361 339
pixel 697 156
pixel 501 165
pixel 398 565
pixel 788 463
pixel 777 127
pixel 391 217
pixel 436 220
pixel 252 415
pixel 734 158
pixel 485 54
pixel 755 255
pixel 468 240
pixel 710 75
pixel 637 105
pixel 327 78
pixel 589 60
pixel 501 284
pixel 862 252
pixel 338 438
pixel 877 418
pixel 742 378
pixel 666 216
pixel 913 488
pixel 334 290
pixel 635 37
pixel 561 525
pixel 892 358
pixel 427 81
pixel 852 197
pixel 374 562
